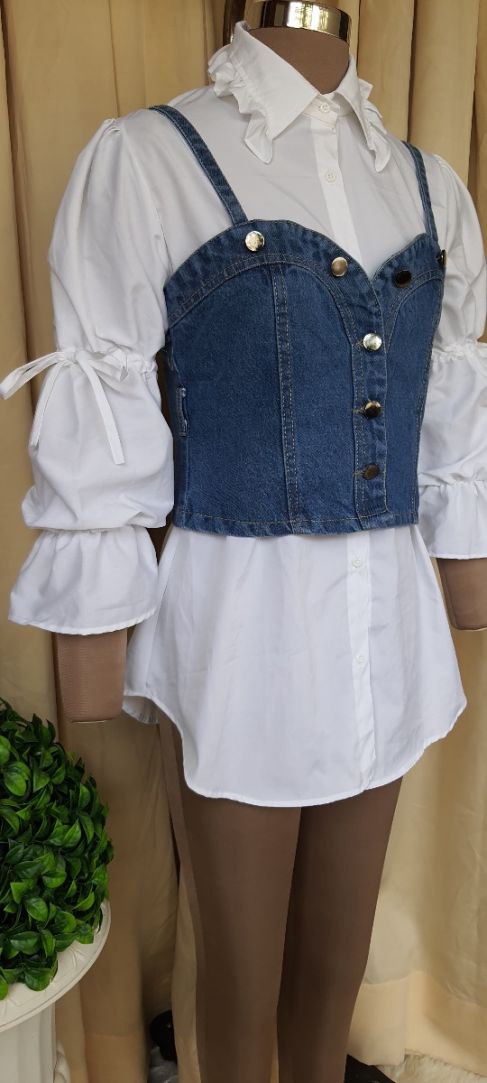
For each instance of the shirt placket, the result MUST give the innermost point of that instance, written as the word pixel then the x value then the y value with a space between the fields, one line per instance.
pixel 324 121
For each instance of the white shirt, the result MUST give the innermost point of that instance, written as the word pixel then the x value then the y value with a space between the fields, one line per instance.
pixel 299 669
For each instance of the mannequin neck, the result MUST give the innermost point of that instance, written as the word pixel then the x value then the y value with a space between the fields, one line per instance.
pixel 321 58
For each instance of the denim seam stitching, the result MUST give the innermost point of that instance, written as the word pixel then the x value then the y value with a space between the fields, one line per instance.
pixel 198 296
pixel 275 522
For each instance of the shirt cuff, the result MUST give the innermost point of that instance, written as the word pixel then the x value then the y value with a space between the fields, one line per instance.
pixel 453 519
pixel 87 582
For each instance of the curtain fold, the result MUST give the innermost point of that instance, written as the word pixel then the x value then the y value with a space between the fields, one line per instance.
pixel 67 67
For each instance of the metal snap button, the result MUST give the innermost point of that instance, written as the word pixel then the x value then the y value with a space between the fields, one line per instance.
pixel 442 258
pixel 255 240
pixel 372 408
pixel 402 278
pixel 339 266
pixel 372 341
pixel 371 471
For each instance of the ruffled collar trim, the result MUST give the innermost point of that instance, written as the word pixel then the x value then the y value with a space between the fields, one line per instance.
pixel 272 93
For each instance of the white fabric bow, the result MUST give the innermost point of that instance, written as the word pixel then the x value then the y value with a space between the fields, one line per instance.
pixel 95 367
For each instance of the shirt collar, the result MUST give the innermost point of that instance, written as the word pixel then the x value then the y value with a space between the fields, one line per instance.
pixel 274 94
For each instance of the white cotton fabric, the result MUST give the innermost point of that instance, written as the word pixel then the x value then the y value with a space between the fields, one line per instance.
pixel 298 669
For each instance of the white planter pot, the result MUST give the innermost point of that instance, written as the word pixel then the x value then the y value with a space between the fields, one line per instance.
pixel 28 1052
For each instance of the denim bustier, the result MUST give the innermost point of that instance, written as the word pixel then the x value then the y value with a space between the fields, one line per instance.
pixel 296 383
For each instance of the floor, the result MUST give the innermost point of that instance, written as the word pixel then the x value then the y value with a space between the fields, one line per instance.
pixel 413 1070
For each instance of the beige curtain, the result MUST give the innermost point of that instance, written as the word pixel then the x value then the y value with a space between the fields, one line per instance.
pixel 67 67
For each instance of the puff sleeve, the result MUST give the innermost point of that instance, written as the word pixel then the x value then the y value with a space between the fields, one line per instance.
pixel 452 465
pixel 101 450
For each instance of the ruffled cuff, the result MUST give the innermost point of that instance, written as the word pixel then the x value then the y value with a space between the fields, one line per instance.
pixel 453 519
pixel 452 466
pixel 87 582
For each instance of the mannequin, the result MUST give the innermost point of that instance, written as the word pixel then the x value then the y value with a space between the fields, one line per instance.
pixel 282 886
pixel 314 39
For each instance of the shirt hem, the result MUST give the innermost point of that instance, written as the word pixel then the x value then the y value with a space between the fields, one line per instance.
pixel 151 700
pixel 458 556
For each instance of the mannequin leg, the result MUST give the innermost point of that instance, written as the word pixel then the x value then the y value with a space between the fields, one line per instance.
pixel 339 864
pixel 238 862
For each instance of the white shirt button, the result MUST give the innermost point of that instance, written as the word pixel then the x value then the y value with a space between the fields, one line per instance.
pixel 360 658
pixel 324 107
pixel 357 563
pixel 331 175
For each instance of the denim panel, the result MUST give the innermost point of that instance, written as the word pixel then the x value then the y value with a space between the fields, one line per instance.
pixel 224 353
pixel 267 375
pixel 409 360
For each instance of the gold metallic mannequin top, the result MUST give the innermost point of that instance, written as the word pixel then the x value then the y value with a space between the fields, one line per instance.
pixel 314 38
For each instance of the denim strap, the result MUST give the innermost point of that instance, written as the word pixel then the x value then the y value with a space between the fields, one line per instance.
pixel 424 189
pixel 207 162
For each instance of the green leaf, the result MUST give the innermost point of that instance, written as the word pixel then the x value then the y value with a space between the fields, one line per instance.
pixel 47 734
pixel 48 942
pixel 9 952
pixel 72 890
pixel 56 838
pixel 43 798
pixel 3 988
pixel 64 940
pixel 20 888
pixel 25 941
pixel 64 922
pixel 38 979
pixel 39 779
pixel 45 758
pixel 74 866
pixel 84 933
pixel 5 750
pixel 37 909
pixel 59 775
pixel 84 796
pixel 87 902
pixel 10 908
pixel 100 877
pixel 15 779
pixel 11 818
pixel 87 825
pixel 11 975
pixel 58 875
pixel 73 835
pixel 15 853
pixel 41 865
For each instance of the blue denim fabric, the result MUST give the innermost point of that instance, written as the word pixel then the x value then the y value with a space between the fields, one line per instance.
pixel 267 375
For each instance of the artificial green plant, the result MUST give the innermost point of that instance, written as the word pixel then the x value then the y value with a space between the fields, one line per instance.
pixel 54 852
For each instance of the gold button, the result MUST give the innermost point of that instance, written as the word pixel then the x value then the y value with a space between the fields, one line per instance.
pixel 372 341
pixel 255 240
pixel 339 266
pixel 372 408
pixel 442 258
pixel 371 471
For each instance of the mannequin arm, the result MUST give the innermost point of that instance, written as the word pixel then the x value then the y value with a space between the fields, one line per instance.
pixel 90 675
pixel 464 585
